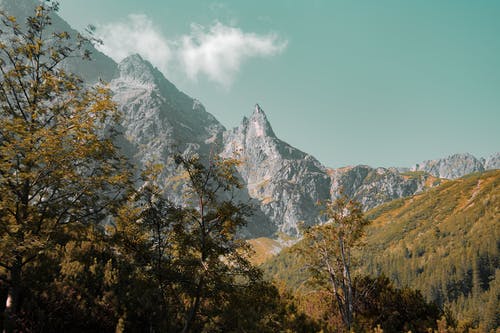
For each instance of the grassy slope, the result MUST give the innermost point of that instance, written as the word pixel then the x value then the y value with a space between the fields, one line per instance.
pixel 264 248
pixel 444 242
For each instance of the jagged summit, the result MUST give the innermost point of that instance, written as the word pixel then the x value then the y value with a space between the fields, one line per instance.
pixel 136 68
pixel 492 162
pixel 285 181
pixel 451 167
pixel 258 110
pixel 258 124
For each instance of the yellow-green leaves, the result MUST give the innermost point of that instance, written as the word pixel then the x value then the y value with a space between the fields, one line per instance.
pixel 60 173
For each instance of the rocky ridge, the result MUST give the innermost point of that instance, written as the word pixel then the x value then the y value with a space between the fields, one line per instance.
pixel 375 186
pixel 287 182
pixel 458 165
pixel 157 118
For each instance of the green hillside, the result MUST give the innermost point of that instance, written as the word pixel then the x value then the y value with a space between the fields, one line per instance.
pixel 444 242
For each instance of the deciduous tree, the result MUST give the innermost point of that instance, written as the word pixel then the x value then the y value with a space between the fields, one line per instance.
pixel 328 251
pixel 59 169
pixel 214 256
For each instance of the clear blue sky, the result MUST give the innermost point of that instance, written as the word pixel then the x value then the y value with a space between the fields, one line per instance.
pixel 384 83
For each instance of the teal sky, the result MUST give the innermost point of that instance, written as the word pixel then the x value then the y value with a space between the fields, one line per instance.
pixel 384 83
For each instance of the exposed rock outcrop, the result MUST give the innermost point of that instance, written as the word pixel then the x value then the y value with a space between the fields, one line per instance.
pixel 287 182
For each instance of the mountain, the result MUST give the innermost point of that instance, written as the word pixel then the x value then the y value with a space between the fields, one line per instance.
pixel 287 182
pixel 443 242
pixel 492 162
pixel 374 186
pixel 157 118
pixel 458 165
pixel 283 183
pixel 101 66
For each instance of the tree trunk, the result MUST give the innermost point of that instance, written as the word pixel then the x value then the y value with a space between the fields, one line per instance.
pixel 347 286
pixel 3 301
pixel 194 307
pixel 12 304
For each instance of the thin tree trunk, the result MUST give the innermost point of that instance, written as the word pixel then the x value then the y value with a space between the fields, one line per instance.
pixel 346 286
pixel 336 293
pixel 3 301
pixel 13 297
pixel 194 308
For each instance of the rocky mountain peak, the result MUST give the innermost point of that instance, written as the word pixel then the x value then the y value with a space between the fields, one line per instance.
pixel 284 181
pixel 492 162
pixel 451 167
pixel 134 67
pixel 258 125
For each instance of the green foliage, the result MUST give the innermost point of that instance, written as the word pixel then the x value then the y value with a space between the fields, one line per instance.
pixel 59 169
pixel 80 250
pixel 327 251
pixel 186 258
pixel 443 242
pixel 393 309
pixel 181 268
pixel 376 212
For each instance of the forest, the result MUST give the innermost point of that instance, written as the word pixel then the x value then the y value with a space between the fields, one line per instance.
pixel 443 243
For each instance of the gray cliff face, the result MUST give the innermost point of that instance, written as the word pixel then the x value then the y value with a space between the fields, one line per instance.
pixel 287 182
pixel 375 186
pixel 492 162
pixel 158 121
pixel 157 118
pixel 451 167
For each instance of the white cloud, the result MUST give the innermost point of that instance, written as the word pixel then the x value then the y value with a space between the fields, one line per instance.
pixel 135 35
pixel 217 52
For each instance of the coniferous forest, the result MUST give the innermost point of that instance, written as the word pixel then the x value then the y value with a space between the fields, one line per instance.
pixel 88 243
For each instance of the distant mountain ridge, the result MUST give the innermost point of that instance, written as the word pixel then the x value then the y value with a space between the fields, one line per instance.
pixel 375 186
pixel 102 66
pixel 283 183
pixel 458 165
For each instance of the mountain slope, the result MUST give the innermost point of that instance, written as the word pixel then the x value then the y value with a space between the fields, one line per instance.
pixel 492 162
pixel 443 242
pixel 286 181
pixel 158 118
pixel 101 67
